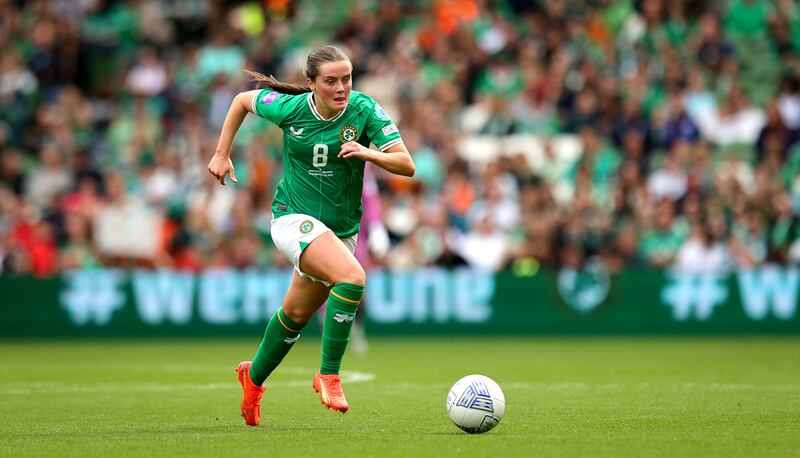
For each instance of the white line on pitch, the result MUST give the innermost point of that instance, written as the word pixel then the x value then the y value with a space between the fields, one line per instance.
pixel 60 388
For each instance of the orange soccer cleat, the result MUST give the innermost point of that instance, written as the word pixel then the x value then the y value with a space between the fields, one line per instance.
pixel 251 400
pixel 329 387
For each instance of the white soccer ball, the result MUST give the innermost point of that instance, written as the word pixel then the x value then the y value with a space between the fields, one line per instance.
pixel 476 404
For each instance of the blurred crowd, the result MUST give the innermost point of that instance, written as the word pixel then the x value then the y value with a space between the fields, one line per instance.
pixel 686 114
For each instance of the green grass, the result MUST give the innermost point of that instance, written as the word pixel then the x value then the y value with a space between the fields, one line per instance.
pixel 565 397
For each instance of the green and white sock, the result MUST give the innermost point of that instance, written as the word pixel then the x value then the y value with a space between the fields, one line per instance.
pixel 281 334
pixel 340 313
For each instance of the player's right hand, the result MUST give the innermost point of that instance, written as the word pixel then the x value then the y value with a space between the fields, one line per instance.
pixel 220 166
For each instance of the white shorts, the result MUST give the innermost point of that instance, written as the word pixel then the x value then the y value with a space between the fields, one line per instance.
pixel 293 233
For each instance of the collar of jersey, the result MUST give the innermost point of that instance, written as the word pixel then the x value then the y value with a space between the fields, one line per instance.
pixel 316 113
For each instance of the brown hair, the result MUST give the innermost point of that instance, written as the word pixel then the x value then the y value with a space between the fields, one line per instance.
pixel 316 58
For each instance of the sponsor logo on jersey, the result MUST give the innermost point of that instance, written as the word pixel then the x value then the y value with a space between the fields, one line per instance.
pixel 306 227
pixel 389 130
pixel 269 98
pixel 296 132
pixel 380 114
pixel 349 133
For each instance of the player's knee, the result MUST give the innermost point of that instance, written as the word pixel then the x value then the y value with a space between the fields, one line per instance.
pixel 297 314
pixel 354 275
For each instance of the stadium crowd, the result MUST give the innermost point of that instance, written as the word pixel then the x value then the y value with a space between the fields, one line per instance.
pixel 686 115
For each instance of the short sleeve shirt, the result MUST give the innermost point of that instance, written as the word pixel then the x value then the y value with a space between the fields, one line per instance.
pixel 315 181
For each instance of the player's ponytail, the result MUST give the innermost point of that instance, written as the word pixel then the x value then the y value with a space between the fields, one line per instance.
pixel 278 86
pixel 316 58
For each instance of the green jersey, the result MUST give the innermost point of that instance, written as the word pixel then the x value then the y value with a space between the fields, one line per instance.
pixel 315 181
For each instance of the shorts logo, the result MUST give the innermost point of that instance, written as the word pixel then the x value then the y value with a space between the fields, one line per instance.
pixel 348 133
pixel 306 227
pixel 269 98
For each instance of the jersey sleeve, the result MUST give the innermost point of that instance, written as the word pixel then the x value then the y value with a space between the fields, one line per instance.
pixel 381 130
pixel 271 105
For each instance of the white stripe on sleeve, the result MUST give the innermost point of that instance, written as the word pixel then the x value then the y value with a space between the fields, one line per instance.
pixel 390 144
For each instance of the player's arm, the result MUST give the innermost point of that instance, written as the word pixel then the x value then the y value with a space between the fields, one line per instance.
pixel 395 159
pixel 221 164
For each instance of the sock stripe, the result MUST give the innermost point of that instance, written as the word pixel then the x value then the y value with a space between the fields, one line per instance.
pixel 338 296
pixel 284 324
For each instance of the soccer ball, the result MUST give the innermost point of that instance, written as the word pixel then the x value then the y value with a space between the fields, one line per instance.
pixel 476 404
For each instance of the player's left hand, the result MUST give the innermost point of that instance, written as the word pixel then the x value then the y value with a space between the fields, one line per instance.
pixel 355 149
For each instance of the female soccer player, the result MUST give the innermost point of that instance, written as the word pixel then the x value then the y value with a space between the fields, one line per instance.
pixel 317 208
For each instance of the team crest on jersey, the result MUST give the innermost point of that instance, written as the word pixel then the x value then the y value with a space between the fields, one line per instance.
pixel 349 133
pixel 306 227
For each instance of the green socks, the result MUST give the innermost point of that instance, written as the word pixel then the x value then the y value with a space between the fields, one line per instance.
pixel 279 337
pixel 339 316
pixel 282 332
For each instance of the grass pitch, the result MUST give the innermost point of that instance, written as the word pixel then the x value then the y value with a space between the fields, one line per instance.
pixel 565 397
